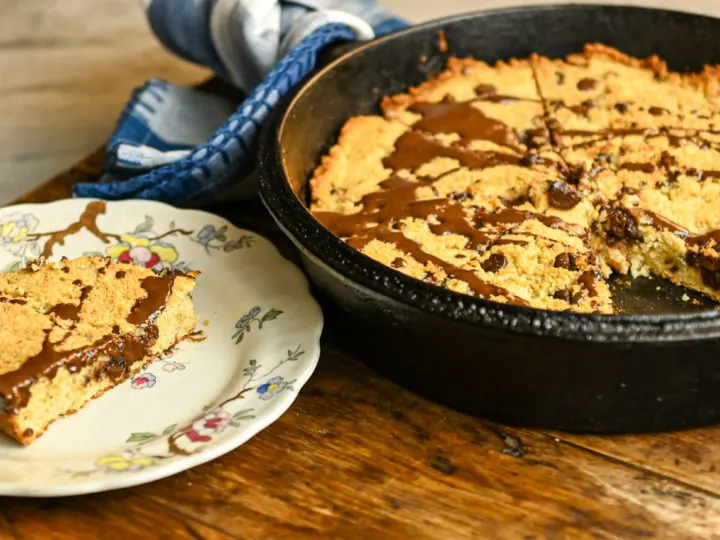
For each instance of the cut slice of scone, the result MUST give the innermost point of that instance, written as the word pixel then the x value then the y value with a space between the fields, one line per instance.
pixel 71 330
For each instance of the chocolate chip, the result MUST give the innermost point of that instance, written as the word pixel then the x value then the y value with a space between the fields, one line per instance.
pixel 709 268
pixel 622 108
pixel 559 78
pixel 485 89
pixel 563 294
pixel 587 84
pixel 566 261
pixel 494 262
pixel 622 226
pixel 562 195
pixel 667 160
pixel 574 174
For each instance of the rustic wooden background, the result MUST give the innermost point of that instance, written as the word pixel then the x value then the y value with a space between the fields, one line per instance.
pixel 68 67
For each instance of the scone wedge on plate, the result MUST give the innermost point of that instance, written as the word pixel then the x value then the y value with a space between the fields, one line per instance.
pixel 71 330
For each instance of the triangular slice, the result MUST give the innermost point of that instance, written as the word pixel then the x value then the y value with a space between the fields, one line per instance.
pixel 69 331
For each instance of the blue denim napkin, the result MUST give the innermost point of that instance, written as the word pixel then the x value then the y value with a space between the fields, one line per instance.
pixel 183 145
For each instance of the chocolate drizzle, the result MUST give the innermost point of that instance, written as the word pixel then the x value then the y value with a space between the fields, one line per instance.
pixel 71 312
pixel 639 167
pixel 414 149
pixel 703 240
pixel 588 280
pixel 18 301
pixel 476 284
pixel 121 350
pixel 663 224
pixel 450 116
pixel 382 211
pixel 146 310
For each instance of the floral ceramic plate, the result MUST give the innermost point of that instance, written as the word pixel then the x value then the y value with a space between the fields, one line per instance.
pixel 261 329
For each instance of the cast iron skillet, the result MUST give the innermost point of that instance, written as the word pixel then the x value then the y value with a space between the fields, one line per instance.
pixel 654 367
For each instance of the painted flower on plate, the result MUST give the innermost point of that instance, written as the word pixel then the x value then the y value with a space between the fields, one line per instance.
pixel 244 321
pixel 206 235
pixel 115 463
pixel 14 229
pixel 144 252
pixel 202 429
pixel 271 388
pixel 144 380
pixel 173 366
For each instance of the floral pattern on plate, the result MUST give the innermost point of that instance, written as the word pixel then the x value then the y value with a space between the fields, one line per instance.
pixel 260 344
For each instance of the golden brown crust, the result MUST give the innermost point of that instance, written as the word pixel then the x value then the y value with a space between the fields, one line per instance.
pixel 603 52
pixel 456 69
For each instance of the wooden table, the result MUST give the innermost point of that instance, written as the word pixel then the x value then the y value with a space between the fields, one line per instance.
pixel 359 457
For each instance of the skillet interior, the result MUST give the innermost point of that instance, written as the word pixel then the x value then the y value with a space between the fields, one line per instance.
pixel 368 291
pixel 395 65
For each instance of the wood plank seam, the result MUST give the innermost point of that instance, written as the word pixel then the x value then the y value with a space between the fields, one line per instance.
pixel 649 472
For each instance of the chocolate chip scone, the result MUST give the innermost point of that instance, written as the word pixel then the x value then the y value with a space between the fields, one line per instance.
pixel 532 181
pixel 71 330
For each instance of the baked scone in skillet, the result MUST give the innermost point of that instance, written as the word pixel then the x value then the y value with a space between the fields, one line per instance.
pixel 531 181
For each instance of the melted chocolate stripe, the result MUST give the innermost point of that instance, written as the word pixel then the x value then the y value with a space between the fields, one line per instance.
pixel 404 244
pixel 661 223
pixel 71 312
pixel 18 301
pixel 414 149
pixel 122 350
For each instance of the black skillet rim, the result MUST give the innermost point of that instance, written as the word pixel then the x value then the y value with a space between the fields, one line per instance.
pixel 296 221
